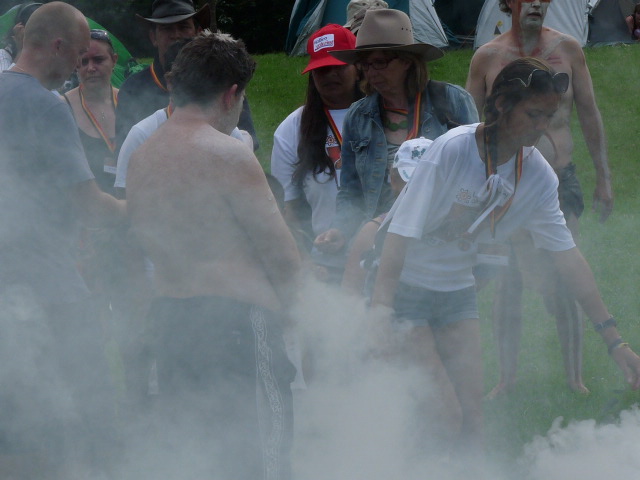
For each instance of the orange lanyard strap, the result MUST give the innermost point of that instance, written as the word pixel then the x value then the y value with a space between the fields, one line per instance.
pixel 156 80
pixel 415 127
pixel 491 168
pixel 169 109
pixel 114 101
pixel 333 127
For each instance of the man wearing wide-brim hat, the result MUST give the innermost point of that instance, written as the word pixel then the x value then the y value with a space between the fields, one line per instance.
pixel 401 103
pixel 145 92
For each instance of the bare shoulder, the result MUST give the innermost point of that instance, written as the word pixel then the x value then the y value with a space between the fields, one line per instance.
pixel 563 42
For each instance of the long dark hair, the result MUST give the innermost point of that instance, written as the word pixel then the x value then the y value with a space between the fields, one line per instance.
pixel 513 92
pixel 312 156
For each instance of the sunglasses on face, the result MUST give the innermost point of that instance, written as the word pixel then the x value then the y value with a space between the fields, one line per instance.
pixel 101 35
pixel 538 77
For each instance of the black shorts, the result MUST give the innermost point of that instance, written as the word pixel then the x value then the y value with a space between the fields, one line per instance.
pixel 570 192
pixel 224 407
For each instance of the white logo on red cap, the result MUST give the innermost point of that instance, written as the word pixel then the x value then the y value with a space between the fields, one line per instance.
pixel 325 41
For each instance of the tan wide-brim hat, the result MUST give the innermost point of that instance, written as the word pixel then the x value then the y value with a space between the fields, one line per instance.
pixel 387 29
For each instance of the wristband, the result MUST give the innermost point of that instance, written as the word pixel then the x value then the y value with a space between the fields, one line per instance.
pixel 610 322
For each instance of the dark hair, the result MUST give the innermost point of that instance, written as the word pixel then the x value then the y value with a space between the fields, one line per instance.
pixel 312 155
pixel 172 53
pixel 417 74
pixel 207 66
pixel 22 16
pixel 101 36
pixel 512 91
pixel 504 7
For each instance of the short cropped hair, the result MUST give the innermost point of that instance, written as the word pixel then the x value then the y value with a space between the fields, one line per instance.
pixel 207 66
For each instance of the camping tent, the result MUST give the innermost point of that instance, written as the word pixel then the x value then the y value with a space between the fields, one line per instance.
pixel 606 21
pixel 307 16
pixel 588 21
pixel 126 63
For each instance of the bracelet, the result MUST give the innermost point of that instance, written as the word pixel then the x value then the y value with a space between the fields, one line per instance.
pixel 610 322
pixel 618 343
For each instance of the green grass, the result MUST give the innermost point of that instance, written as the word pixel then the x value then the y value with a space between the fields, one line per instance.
pixel 612 248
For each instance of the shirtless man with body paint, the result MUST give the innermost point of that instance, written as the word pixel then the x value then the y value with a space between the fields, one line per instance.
pixel 529 38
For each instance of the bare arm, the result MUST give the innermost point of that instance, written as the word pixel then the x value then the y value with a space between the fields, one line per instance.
pixel 593 131
pixel 477 80
pixel 256 211
pixel 391 263
pixel 96 208
pixel 577 275
pixel 354 275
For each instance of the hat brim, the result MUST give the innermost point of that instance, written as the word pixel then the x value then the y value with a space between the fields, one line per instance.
pixel 202 17
pixel 426 51
pixel 324 62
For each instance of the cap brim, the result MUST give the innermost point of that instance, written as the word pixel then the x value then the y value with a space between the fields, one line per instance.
pixel 426 51
pixel 324 62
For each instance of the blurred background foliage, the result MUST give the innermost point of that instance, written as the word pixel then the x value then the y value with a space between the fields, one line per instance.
pixel 262 24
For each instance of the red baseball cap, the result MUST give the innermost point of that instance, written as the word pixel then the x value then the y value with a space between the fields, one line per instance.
pixel 330 37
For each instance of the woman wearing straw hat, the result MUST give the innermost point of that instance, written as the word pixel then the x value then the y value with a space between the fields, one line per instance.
pixel 401 103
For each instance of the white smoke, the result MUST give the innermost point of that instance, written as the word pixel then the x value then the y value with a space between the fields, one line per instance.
pixel 587 451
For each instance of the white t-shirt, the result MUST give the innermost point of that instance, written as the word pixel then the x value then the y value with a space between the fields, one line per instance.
pixel 443 199
pixel 320 192
pixel 137 136
pixel 6 60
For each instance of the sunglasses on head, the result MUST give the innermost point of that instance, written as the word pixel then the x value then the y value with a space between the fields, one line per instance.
pixel 537 77
pixel 102 35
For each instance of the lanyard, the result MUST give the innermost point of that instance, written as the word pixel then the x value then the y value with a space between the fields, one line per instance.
pixel 336 134
pixel 491 168
pixel 169 109
pixel 156 80
pixel 415 127
pixel 114 101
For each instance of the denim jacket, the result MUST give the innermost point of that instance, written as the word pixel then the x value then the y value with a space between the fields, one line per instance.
pixel 364 154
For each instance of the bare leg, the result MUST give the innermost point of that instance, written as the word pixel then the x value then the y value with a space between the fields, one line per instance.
pixel 507 326
pixel 569 322
pixel 442 418
pixel 461 353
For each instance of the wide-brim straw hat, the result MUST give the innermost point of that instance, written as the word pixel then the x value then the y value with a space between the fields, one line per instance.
pixel 174 11
pixel 387 30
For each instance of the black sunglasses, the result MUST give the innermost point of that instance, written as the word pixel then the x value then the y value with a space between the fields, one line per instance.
pixel 537 77
pixel 102 35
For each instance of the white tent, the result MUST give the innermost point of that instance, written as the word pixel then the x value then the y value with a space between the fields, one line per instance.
pixel 308 16
pixel 567 16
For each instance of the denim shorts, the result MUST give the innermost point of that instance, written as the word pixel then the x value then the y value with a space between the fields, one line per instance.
pixel 437 309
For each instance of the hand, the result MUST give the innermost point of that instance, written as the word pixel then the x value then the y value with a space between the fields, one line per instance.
pixel 382 339
pixel 629 363
pixel 330 241
pixel 603 199
pixel 247 139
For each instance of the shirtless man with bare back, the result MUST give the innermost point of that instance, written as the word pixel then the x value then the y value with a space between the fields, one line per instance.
pixel 528 37
pixel 225 266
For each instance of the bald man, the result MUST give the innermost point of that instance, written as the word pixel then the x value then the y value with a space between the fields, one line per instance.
pixel 54 371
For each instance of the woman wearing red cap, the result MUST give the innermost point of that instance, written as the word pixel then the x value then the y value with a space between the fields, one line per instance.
pixel 307 144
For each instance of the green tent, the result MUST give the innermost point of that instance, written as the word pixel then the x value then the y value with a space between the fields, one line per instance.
pixel 126 63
